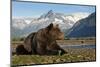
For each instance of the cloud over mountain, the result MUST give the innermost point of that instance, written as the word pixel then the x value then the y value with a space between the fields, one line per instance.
pixel 24 26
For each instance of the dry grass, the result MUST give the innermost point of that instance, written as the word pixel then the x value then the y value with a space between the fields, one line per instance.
pixel 73 55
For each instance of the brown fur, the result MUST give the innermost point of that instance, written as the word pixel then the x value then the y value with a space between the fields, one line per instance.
pixel 43 42
pixel 20 50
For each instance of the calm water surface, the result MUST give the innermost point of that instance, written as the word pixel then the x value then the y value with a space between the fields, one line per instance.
pixel 78 46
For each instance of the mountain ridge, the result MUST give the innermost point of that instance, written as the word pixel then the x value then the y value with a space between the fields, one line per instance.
pixel 64 21
pixel 84 28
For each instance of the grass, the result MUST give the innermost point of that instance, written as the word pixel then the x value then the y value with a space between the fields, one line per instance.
pixel 74 55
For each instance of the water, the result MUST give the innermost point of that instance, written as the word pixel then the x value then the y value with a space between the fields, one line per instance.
pixel 78 46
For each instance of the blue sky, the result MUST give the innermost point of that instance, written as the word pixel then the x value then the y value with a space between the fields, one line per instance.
pixel 30 9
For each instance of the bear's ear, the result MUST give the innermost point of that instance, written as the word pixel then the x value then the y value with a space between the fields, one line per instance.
pixel 57 25
pixel 50 26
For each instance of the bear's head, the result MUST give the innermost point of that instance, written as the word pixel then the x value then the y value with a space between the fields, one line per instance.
pixel 55 32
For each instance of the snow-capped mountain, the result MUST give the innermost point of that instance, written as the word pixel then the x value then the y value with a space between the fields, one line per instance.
pixel 21 23
pixel 18 23
pixel 65 21
pixel 32 25
pixel 84 28
pixel 77 16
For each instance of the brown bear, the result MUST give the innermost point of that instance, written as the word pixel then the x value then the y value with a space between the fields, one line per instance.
pixel 43 42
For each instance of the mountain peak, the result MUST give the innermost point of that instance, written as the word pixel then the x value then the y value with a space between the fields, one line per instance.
pixel 50 11
pixel 49 14
pixel 85 27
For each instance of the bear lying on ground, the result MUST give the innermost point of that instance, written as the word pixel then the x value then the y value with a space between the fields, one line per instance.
pixel 43 42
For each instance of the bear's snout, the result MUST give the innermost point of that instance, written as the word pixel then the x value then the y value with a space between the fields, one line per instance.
pixel 60 36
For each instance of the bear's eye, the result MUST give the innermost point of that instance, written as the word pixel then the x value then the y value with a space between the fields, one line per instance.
pixel 57 30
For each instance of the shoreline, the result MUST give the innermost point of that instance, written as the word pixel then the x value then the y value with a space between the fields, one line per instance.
pixel 76 42
pixel 74 54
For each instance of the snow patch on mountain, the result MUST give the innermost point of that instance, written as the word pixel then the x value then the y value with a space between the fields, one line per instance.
pixel 28 25
pixel 84 28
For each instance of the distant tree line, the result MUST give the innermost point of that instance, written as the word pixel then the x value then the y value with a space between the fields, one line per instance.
pixel 18 39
